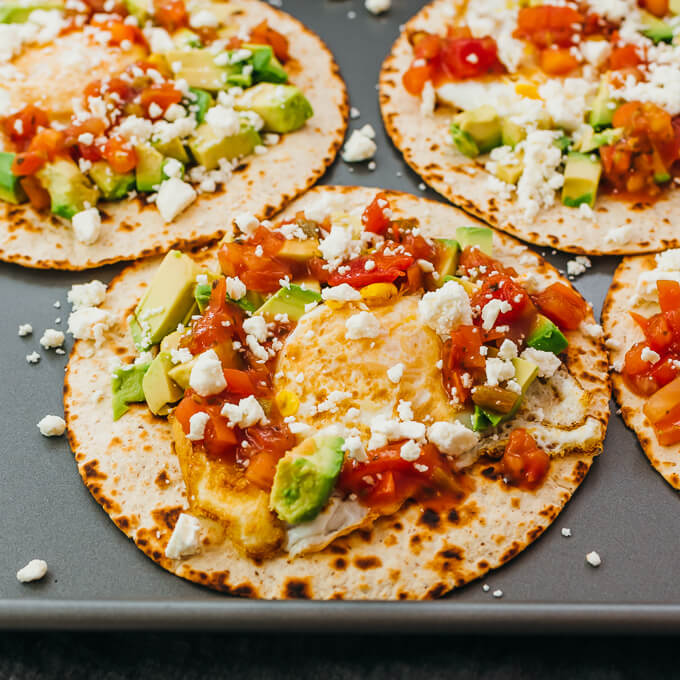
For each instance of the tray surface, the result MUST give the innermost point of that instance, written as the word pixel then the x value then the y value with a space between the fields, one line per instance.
pixel 98 579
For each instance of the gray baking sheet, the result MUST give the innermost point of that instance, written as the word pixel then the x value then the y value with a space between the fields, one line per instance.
pixel 98 579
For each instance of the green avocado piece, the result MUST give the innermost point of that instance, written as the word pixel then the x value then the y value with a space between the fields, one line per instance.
pixel 112 184
pixel 149 170
pixel 305 478
pixel 450 254
pixel 291 301
pixel 266 67
pixel 18 12
pixel 126 386
pixel 563 143
pixel 546 336
pixel 159 389
pixel 283 108
pixel 511 133
pixel 463 141
pixel 483 125
pixel 208 146
pixel 181 373
pixel 172 149
pixel 201 102
pixel 185 38
pixel 602 112
pixel 510 172
pixel 10 188
pixel 199 69
pixel 69 189
pixel 581 179
pixel 655 29
pixel 166 303
pixel 594 140
pixel 299 251
pixel 138 9
pixel 482 237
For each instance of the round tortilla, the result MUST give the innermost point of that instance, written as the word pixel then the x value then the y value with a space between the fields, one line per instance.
pixel 262 186
pixel 622 333
pixel 130 467
pixel 425 143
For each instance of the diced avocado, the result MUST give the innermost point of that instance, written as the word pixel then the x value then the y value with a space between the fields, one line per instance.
pixel 171 341
pixel 674 7
pixel 126 386
pixel 546 336
pixel 510 172
pixel 602 112
pixel 149 170
pixel 201 102
pixel 186 38
pixel 305 478
pixel 450 253
pixel 581 179
pixel 594 140
pixel 159 389
pixel 511 133
pixel 138 9
pixel 661 174
pixel 250 302
pixel 181 373
pixel 655 29
pixel 308 283
pixel 10 188
pixel 172 149
pixel 266 67
pixel 290 301
pixel 69 189
pixel 283 108
pixel 208 146
pixel 482 237
pixel 299 251
pixel 167 301
pixel 483 125
pixel 18 12
pixel 112 184
pixel 199 69
pixel 463 141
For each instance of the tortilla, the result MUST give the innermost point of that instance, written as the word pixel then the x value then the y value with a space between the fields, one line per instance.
pixel 425 143
pixel 130 467
pixel 262 186
pixel 621 333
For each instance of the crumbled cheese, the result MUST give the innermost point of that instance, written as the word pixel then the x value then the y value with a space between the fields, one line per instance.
pixel 649 355
pixel 89 294
pixel 661 87
pixel 405 410
pixel 197 424
pixel 359 147
pixel 667 269
pixel 395 373
pixel 87 225
pixel 595 52
pixel 445 309
pixel 507 350
pixel 593 559
pixel 33 358
pixel 259 352
pixel 385 430
pixel 591 330
pixel 428 99
pixel 491 310
pixel 256 326
pixel 619 236
pixel 135 129
pixel 498 19
pixel 33 571
pixel 52 338
pixel 566 532
pixel 236 289
pixel 547 362
pixel 226 122
pixel 25 329
pixel 338 246
pixel 452 438
pixel 578 265
pixel 354 448
pixel 89 323
pixel 410 451
pixel 498 371
pixel 377 6
pixel 362 325
pixel 207 376
pixel 246 413
pixel 174 196
pixel 181 355
pixel 354 113
pixel 185 539
pixel 204 18
pixel 52 426
pixel 342 293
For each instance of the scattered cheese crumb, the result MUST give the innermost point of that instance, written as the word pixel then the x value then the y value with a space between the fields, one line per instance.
pixel 87 225
pixel 377 6
pixel 566 532
pixel 52 426
pixel 33 571
pixel 395 373
pixel 593 559
pixel 185 538
pixel 52 338
pixel 359 147
pixel 362 325
pixel 33 358
pixel 197 424
pixel 25 329
pixel 207 376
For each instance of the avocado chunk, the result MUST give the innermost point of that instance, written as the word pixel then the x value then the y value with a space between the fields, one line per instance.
pixel 159 389
pixel 305 478
pixel 149 170
pixel 185 38
pixel 463 142
pixel 299 251
pixel 546 336
pixel 283 108
pixel 18 12
pixel 201 102
pixel 208 146
pixel 69 189
pixel 112 184
pixel 167 301
pixel 308 283
pixel 481 237
pixel 581 179
pixel 10 188
pixel 661 173
pixel 138 9
pixel 172 149
pixel 594 140
pixel 199 69
pixel 602 113
pixel 181 373
pixel 266 67
pixel 126 386
pixel 655 29
pixel 511 171
pixel 483 125
pixel 511 133
pixel 450 254
pixel 290 301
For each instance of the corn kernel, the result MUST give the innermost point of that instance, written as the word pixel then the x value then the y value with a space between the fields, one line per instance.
pixel 378 292
pixel 334 304
pixel 287 402
pixel 527 90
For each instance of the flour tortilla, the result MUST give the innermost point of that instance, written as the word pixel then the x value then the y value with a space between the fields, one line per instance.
pixel 622 333
pixel 425 142
pixel 130 468
pixel 263 186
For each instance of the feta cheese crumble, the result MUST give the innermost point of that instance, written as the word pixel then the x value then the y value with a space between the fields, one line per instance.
pixel 649 355
pixel 25 329
pixel 362 325
pixel 360 146
pixel 342 293
pixel 547 362
pixel 246 413
pixel 33 571
pixel 197 424
pixel 207 376
pixel 174 196
pixel 185 538
pixel 377 6
pixel 236 289
pixel 52 426
pixel 410 451
pixel 395 373
pixel 52 338
pixel 445 309
pixel 87 225
pixel 452 439
pixel 593 559
pixel 89 294
pixel 492 310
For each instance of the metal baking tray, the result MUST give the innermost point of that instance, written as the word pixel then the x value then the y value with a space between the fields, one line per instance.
pixel 98 579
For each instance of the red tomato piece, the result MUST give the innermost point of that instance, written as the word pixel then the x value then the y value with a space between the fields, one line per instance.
pixel 21 126
pixel 162 96
pixel 416 76
pixel 37 194
pixel 121 156
pixel 238 382
pixel 388 268
pixel 262 34
pixel 548 25
pixel 219 439
pixel 470 57
pixel 625 56
pixel 27 163
pixel 376 216
pixel 171 14
pixel 523 463
pixel 187 408
pixel 48 142
pixel 562 305
pixel 502 287
pixel 558 61
pixel 658 8
pixel 210 329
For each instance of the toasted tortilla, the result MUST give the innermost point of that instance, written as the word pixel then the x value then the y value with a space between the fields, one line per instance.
pixel 130 466
pixel 425 143
pixel 262 186
pixel 622 333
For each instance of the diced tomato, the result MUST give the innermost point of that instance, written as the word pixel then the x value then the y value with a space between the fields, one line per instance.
pixel 219 439
pixel 658 8
pixel 48 142
pixel 416 76
pixel 120 155
pixel 186 408
pixel 171 14
pixel 669 295
pixel 562 305
pixel 376 216
pixel 463 58
pixel 262 468
pixel 665 370
pixel 626 56
pixel 634 363
pixel 428 45
pixel 502 287
pixel 548 25
pixel 415 245
pixel 474 258
pixel 462 356
pixel 162 96
pixel 37 194
pixel 93 126
pixel 266 446
pixel 558 61
pixel 22 125
pixel 238 382
pixel 119 31
pixel 218 324
pixel 388 268
pixel 415 280
pixel 523 463
pixel 262 34
pixel 659 333
pixel 27 163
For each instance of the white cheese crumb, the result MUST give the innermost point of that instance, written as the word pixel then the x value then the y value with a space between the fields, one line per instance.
pixel 185 538
pixel 410 451
pixel 354 448
pixel 87 225
pixel 491 311
pixel 236 289
pixel 89 294
pixel 498 371
pixel 181 355
pixel 354 113
pixel 446 308
pixel 206 376
pixel 246 413
pixel 578 265
pixel 52 426
pixel 52 338
pixel 593 559
pixel 25 329
pixel 591 330
pixel 547 362
pixel 395 373
pixel 359 147
pixel 174 196
pixel 256 326
pixel 362 325
pixel 342 293
pixel 497 593
pixel 566 532
pixel 33 358
pixel 197 424
pixel 247 223
pixel 377 6
pixel 452 438
pixel 507 350
pixel 33 571
pixel 649 355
